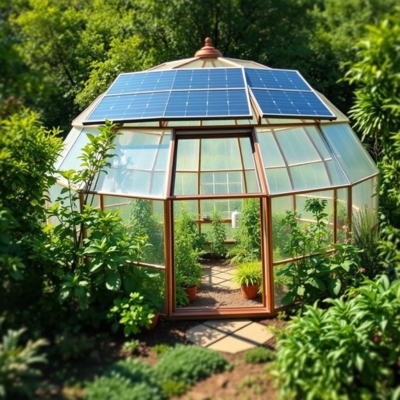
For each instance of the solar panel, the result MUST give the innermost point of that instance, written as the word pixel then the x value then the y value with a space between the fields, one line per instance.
pixel 285 93
pixel 174 94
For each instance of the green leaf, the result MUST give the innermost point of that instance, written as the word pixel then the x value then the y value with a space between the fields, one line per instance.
pixel 113 281
pixel 335 285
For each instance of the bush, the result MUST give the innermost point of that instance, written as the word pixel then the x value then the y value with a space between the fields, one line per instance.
pixel 348 351
pixel 17 369
pixel 126 380
pixel 189 364
pixel 258 355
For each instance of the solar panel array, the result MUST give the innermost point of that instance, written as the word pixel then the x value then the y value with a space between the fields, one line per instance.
pixel 285 93
pixel 175 94
pixel 208 93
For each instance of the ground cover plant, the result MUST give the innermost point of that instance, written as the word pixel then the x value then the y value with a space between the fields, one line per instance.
pixel 348 351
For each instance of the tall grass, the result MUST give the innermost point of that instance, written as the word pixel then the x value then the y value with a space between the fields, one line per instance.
pixel 366 237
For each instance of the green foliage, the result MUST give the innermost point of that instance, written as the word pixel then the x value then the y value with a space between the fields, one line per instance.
pixel 160 349
pixel 188 243
pixel 348 351
pixel 27 154
pixel 366 237
pixel 314 272
pixel 181 297
pixel 376 111
pixel 71 345
pixel 217 235
pixel 189 364
pixel 258 355
pixel 248 238
pixel 126 380
pixel 131 346
pixel 143 223
pixel 174 388
pixel 248 274
pixel 134 313
pixel 17 364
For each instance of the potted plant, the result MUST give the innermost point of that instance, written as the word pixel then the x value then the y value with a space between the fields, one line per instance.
pixel 249 276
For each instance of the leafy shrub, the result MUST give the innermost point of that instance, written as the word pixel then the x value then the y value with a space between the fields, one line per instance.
pixel 17 369
pixel 133 313
pixel 126 380
pixel 313 272
pixel 348 351
pixel 217 235
pixel 258 355
pixel 189 364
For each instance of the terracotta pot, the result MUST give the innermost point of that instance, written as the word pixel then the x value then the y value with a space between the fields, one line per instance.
pixel 154 322
pixel 191 292
pixel 249 292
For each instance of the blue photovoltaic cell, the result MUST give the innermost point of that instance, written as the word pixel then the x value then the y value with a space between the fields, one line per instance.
pixel 285 94
pixel 291 103
pixel 210 78
pixel 275 79
pixel 184 104
pixel 186 93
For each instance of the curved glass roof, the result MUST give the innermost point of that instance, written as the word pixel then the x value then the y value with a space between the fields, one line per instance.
pixel 207 130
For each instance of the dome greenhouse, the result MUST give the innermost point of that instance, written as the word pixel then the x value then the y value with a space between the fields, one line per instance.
pixel 212 135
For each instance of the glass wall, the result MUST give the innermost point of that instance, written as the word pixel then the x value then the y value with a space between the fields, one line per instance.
pixel 142 218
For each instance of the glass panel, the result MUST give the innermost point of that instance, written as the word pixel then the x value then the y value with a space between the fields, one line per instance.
pixel 252 182
pixel 152 282
pixel 247 153
pixel 353 158
pixel 221 169
pixel 135 150
pixel 278 180
pixel 309 176
pixel 220 154
pixel 318 141
pixel 68 143
pixel 363 195
pixel 335 173
pixel 280 238
pixel 143 221
pixel 341 214
pixel 158 184
pixel 187 158
pixel 296 146
pixel 72 160
pixel 185 183
pixel 123 204
pixel 270 152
